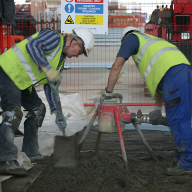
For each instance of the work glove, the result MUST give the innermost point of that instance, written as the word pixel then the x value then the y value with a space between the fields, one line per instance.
pixel 110 95
pixel 61 124
pixel 156 112
pixel 155 116
pixel 51 74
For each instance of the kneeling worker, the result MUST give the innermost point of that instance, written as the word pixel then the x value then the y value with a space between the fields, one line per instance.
pixel 34 61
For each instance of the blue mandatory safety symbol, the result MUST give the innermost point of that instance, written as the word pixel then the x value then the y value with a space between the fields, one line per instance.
pixel 69 8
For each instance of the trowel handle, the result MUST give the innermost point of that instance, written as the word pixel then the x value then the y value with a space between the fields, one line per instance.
pixel 114 95
pixel 59 111
pixel 57 99
pixel 55 86
pixel 58 106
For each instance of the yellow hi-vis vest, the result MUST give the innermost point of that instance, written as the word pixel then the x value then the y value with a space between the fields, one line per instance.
pixel 154 58
pixel 20 68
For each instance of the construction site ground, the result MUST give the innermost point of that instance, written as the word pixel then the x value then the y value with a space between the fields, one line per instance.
pixel 105 172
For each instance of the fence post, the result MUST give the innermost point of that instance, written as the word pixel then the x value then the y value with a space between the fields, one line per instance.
pixel 55 20
pixel 49 19
pixel 39 20
pixel 45 19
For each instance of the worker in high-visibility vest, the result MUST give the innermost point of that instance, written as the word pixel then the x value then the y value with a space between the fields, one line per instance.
pixel 165 69
pixel 37 60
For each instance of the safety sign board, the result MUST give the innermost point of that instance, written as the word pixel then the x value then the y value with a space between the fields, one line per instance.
pixel 89 19
pixel 92 14
pixel 69 8
pixel 69 20
pixel 89 9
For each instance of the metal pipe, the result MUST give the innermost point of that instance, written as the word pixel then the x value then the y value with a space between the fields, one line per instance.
pixel 49 19
pixel 55 20
pixel 87 130
pixel 39 15
pixel 153 155
pixel 98 143
pixel 44 16
pixel 127 104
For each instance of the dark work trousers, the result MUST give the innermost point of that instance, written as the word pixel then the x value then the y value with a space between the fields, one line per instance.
pixel 11 97
pixel 177 95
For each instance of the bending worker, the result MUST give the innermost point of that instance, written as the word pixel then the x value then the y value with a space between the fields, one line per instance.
pixel 34 61
pixel 164 68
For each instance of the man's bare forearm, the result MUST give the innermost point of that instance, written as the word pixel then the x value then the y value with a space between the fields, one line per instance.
pixel 114 73
pixel 113 77
pixel 159 100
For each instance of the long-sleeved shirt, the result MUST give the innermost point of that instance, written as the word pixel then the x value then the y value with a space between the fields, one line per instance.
pixel 45 43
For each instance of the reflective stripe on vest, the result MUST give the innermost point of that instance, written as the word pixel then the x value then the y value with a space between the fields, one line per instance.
pixel 144 48
pixel 155 57
pixel 26 64
pixel 150 41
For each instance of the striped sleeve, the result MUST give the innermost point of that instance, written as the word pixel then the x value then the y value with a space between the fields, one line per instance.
pixel 50 93
pixel 50 98
pixel 44 43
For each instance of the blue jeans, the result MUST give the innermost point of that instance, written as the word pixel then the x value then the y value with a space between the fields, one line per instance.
pixel 11 97
pixel 177 95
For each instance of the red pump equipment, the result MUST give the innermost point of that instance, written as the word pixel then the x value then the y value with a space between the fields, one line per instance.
pixel 112 117
pixel 173 24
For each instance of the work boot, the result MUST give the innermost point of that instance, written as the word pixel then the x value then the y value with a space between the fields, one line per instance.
pixel 176 171
pixel 38 158
pixel 12 168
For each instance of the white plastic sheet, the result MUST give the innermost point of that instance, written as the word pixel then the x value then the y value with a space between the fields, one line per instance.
pixel 75 114
pixel 72 106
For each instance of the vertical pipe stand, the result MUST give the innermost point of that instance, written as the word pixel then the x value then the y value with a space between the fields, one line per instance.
pixel 121 139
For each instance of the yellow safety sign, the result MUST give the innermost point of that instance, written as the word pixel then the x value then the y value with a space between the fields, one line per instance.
pixel 69 20
pixel 89 19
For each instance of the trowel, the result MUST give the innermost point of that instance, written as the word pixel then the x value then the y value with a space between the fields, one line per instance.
pixel 18 133
pixel 65 147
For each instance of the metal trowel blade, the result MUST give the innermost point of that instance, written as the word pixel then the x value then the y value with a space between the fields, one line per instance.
pixel 65 151
pixel 18 133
